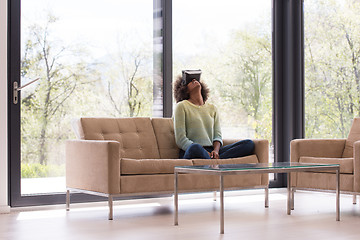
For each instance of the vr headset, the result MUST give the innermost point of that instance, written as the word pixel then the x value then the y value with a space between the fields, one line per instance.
pixel 189 75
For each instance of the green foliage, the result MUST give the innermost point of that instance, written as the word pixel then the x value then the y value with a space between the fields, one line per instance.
pixel 45 104
pixel 130 89
pixel 74 84
pixel 332 63
pixel 36 170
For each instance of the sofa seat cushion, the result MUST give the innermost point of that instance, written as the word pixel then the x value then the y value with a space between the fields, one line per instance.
pixel 242 160
pixel 346 164
pixel 157 183
pixel 129 166
pixel 317 180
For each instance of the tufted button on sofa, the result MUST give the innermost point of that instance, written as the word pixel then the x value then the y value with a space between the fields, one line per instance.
pixel 115 157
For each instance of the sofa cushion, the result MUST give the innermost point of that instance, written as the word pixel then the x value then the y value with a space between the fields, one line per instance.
pixel 151 166
pixel 247 159
pixel 346 164
pixel 164 132
pixel 187 182
pixel 354 135
pixel 135 135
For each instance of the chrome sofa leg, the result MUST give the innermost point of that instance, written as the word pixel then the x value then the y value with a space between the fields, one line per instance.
pixel 266 196
pixel 110 203
pixel 67 200
pixel 215 196
pixel 354 199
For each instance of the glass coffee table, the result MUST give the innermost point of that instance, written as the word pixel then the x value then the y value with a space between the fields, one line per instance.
pixel 236 169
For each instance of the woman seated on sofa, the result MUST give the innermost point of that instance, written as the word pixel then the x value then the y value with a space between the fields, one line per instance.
pixel 197 122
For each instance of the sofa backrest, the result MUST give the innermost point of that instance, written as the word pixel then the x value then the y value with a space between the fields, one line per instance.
pixel 354 135
pixel 164 132
pixel 135 135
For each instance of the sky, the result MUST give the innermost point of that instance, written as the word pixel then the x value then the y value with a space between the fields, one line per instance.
pixel 97 24
pixel 201 20
pixel 100 24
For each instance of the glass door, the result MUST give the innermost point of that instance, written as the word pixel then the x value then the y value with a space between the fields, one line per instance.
pixel 92 59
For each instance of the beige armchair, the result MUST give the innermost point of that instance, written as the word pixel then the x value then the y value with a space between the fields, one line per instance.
pixel 345 152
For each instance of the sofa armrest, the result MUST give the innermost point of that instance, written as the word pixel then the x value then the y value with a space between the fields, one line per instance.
pixel 93 165
pixel 357 166
pixel 261 151
pixel 261 148
pixel 331 148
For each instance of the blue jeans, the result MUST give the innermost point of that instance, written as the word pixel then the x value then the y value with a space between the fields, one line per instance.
pixel 234 150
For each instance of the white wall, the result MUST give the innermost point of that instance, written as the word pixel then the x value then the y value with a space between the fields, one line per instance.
pixel 4 208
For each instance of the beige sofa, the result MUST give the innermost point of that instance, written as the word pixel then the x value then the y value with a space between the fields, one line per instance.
pixel 345 152
pixel 136 156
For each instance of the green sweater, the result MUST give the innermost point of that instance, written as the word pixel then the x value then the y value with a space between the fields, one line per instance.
pixel 196 124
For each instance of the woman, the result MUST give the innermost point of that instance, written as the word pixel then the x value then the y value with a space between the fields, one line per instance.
pixel 197 125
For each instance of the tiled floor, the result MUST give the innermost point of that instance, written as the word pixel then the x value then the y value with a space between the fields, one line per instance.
pixel 245 218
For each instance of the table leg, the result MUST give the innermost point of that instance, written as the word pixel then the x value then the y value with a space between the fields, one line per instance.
pixel 289 194
pixel 110 203
pixel 338 194
pixel 221 204
pixel 176 205
pixel 292 198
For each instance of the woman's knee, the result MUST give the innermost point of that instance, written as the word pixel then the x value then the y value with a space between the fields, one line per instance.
pixel 195 147
pixel 250 145
pixel 195 150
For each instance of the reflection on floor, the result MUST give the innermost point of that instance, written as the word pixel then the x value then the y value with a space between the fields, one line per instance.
pixel 245 218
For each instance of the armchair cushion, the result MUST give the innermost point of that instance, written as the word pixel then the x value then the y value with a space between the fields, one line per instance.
pixel 346 164
pixel 353 136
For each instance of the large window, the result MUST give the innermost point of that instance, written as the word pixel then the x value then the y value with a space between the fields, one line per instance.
pixel 113 58
pixel 332 67
pixel 230 41
pixel 92 58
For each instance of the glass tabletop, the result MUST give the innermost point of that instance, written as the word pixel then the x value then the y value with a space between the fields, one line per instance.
pixel 276 165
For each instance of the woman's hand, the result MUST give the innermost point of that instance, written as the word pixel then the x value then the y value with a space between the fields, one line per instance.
pixel 214 155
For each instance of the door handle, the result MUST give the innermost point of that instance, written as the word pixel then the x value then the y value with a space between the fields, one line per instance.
pixel 17 89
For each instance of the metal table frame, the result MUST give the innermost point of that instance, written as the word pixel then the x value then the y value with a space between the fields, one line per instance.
pixel 290 192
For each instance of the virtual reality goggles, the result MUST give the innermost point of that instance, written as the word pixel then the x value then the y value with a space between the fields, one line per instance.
pixel 189 75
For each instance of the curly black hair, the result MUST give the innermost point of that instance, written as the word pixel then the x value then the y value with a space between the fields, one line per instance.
pixel 181 93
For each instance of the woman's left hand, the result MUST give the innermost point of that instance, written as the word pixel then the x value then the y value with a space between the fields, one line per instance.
pixel 214 155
